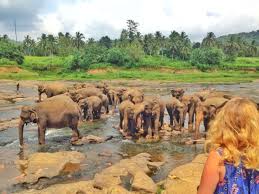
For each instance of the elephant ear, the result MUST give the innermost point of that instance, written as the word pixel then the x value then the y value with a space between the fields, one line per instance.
pixel 33 115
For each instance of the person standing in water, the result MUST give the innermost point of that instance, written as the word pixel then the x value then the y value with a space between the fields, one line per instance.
pixel 232 166
pixel 18 87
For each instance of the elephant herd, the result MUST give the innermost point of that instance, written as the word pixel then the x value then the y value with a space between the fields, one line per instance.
pixel 140 115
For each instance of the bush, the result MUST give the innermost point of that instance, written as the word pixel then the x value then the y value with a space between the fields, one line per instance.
pixel 119 57
pixel 90 55
pixel 206 56
pixel 10 51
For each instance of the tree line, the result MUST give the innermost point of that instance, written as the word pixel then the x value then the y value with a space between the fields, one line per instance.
pixel 131 46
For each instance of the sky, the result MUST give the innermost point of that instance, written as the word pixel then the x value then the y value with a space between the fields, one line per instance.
pixel 97 18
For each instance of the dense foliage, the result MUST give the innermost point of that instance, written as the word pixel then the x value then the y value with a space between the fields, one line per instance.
pixel 130 48
pixel 10 51
pixel 206 57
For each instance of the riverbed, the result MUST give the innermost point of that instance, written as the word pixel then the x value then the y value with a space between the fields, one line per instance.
pixel 174 154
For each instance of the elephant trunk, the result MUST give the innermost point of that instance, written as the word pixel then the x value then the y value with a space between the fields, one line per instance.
pixel 21 126
pixel 39 96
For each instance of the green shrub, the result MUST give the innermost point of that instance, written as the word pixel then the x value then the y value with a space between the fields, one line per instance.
pixel 10 51
pixel 90 55
pixel 120 57
pixel 206 57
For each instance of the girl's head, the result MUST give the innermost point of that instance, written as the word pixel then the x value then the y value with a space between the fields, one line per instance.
pixel 236 130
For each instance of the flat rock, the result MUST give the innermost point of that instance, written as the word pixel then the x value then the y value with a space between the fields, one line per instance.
pixel 91 139
pixel 81 187
pixel 143 183
pixel 186 178
pixel 49 165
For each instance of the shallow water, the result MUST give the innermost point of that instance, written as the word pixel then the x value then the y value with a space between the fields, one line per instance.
pixel 58 139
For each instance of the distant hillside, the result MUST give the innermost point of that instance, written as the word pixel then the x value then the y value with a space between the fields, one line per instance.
pixel 246 36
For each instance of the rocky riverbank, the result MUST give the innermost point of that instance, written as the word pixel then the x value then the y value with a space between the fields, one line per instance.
pixel 127 176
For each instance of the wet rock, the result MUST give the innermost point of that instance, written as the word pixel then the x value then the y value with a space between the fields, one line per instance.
pixel 49 165
pixel 10 97
pixel 185 179
pixel 136 169
pixel 143 183
pixel 91 139
pixel 105 154
pixel 81 187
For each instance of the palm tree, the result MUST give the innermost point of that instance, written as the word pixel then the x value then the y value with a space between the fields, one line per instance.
pixel 43 44
pixel 51 43
pixel 79 40
pixel 209 40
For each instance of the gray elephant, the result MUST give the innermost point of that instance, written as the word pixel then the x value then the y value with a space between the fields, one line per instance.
pixel 125 110
pixel 177 93
pixel 105 103
pixel 91 106
pixel 176 110
pixel 55 112
pixel 52 89
pixel 134 95
pixel 154 121
pixel 191 102
pixel 206 111
pixel 82 93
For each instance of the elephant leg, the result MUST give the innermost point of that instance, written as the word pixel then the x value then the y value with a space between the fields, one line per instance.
pixel 198 118
pixel 90 114
pixel 156 127
pixel 121 119
pixel 41 133
pixel 85 113
pixel 161 119
pixel 191 119
pixel 75 133
pixel 107 108
pixel 171 117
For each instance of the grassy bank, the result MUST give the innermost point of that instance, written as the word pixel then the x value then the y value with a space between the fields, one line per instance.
pixel 149 68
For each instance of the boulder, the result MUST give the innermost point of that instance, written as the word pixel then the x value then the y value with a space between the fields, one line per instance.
pixel 143 183
pixel 131 172
pixel 186 178
pixel 49 165
pixel 81 187
pixel 91 139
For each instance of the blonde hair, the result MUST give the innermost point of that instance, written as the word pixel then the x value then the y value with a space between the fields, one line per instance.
pixel 236 130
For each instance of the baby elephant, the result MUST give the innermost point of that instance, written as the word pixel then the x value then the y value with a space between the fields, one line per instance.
pixel 92 107
pixel 55 112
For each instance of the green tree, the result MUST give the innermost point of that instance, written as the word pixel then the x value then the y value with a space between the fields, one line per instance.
pixel 105 41
pixel 210 40
pixel 42 44
pixel 132 29
pixel 79 40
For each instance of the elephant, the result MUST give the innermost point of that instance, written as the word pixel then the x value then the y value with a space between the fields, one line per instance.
pixel 208 93
pixel 55 112
pixel 105 103
pixel 177 93
pixel 103 87
pixel 125 111
pixel 82 93
pixel 78 86
pixel 207 111
pixel 52 89
pixel 92 107
pixel 154 121
pixel 113 97
pixel 191 102
pixel 131 116
pixel 176 110
pixel 134 95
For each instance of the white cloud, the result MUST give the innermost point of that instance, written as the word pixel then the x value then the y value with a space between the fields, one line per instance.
pixel 96 18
